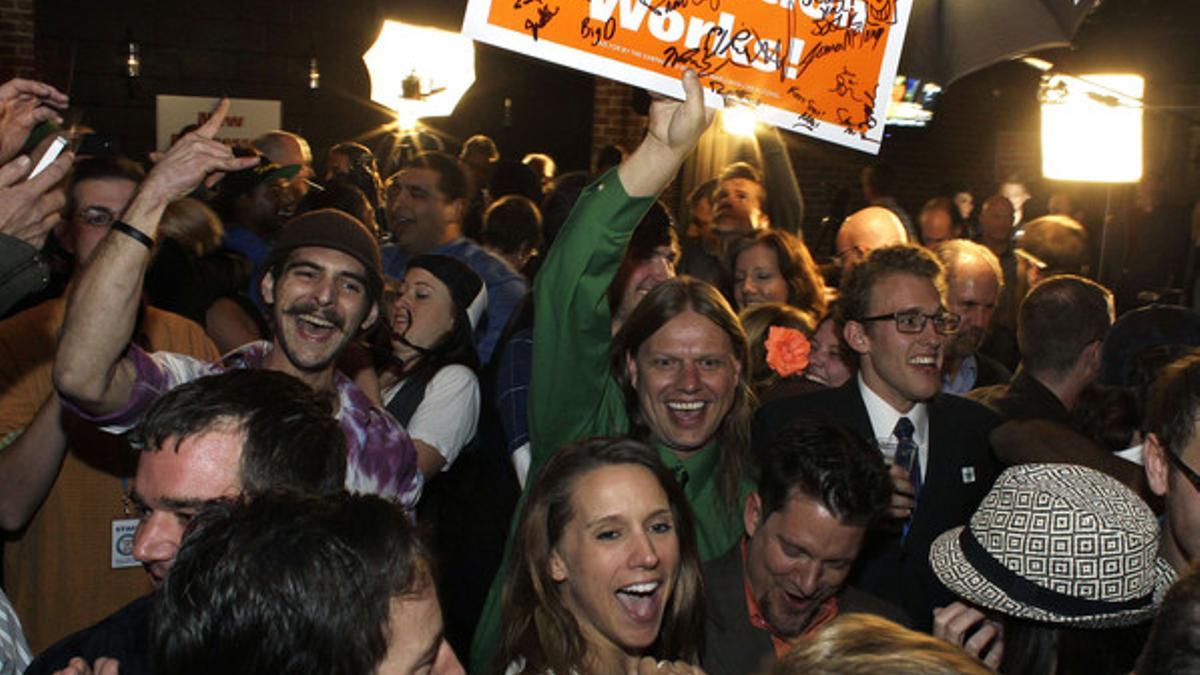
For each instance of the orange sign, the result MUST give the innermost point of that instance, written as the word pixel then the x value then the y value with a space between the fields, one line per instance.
pixel 811 66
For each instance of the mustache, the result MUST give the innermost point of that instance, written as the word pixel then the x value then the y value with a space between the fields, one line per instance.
pixel 327 314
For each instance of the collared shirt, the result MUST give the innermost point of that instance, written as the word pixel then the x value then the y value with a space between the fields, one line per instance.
pixel 884 417
pixel 964 379
pixel 717 526
pixel 380 456
pixel 825 613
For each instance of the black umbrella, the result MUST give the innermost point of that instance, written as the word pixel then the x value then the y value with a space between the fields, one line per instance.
pixel 948 39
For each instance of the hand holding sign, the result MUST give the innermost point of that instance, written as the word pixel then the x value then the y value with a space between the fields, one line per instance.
pixel 674 129
pixel 784 58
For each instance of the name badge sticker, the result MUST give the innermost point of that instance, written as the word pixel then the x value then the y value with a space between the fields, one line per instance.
pixel 968 474
pixel 122 543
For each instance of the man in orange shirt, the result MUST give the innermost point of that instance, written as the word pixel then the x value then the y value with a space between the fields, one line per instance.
pixel 821 486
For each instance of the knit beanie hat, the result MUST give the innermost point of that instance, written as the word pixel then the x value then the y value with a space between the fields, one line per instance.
pixel 338 230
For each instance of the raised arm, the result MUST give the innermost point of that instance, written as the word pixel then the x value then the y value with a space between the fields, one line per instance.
pixel 573 324
pixel 89 368
pixel 673 131
pixel 786 202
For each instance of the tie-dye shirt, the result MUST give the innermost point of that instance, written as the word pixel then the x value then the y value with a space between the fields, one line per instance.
pixel 381 459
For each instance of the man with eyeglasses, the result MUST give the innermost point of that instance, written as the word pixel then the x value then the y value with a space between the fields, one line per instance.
pixel 891 310
pixel 60 481
pixel 1172 449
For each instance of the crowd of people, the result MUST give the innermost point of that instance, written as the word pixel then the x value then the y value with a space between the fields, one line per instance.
pixel 377 421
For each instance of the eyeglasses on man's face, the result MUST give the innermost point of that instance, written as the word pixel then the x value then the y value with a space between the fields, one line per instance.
pixel 913 321
pixel 97 216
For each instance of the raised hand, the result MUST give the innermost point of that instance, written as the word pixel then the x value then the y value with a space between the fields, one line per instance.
pixel 25 104
pixel 674 129
pixel 978 634
pixel 679 124
pixel 29 208
pixel 191 160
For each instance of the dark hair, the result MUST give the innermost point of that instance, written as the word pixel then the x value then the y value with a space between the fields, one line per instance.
pixel 806 287
pixel 538 626
pixel 358 154
pixel 945 205
pixel 292 440
pixel 363 172
pixel 702 191
pixel 1058 241
pixel 512 222
pixel 102 168
pixel 827 463
pixel 342 194
pixel 287 584
pixel 1046 649
pixel 745 171
pixel 480 143
pixel 1174 404
pixel 510 177
pixel 656 229
pixel 452 180
pixel 1174 643
pixel 667 301
pixel 1060 317
pixel 1107 414
pixel 855 293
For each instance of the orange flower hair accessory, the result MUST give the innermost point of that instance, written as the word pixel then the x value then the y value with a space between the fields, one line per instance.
pixel 787 351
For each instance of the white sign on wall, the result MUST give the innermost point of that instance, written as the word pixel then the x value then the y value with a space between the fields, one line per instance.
pixel 248 118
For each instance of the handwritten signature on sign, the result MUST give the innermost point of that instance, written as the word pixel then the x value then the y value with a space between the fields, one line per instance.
pixel 541 18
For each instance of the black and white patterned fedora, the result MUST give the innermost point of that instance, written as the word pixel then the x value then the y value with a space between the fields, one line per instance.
pixel 1057 543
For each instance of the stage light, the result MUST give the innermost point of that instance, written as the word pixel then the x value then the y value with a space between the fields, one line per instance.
pixel 1092 127
pixel 419 71
pixel 738 119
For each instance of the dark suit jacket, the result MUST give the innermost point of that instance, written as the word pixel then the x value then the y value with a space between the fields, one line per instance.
pixel 989 371
pixel 734 646
pixel 961 470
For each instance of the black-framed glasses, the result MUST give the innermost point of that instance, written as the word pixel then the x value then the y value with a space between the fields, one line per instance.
pixel 1188 473
pixel 913 321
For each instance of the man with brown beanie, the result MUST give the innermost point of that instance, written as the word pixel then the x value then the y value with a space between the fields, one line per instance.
pixel 322 282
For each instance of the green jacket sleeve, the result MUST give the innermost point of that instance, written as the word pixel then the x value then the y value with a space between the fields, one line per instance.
pixel 572 395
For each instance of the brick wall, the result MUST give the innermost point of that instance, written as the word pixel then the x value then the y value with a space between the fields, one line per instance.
pixel 614 120
pixel 16 39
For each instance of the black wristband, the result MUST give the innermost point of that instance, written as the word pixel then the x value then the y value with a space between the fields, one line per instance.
pixel 133 233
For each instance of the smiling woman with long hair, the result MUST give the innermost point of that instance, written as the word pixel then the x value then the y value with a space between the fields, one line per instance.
pixel 605 570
